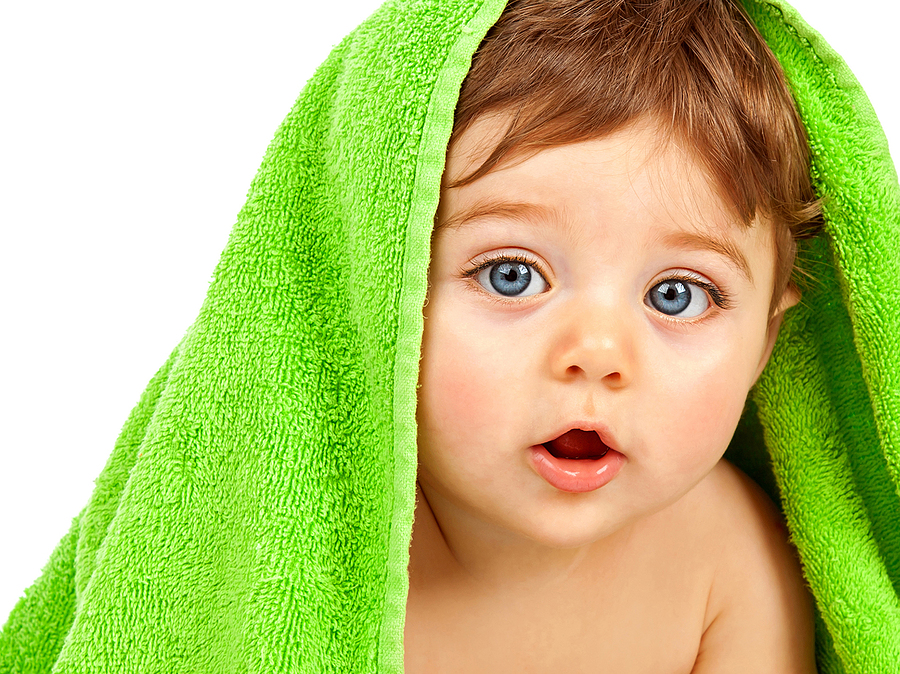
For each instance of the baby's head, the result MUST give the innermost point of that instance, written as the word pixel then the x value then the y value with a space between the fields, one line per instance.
pixel 564 71
pixel 611 260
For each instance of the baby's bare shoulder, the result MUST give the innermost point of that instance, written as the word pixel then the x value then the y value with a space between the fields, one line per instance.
pixel 741 512
pixel 759 615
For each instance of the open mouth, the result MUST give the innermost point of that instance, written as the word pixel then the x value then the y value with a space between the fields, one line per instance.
pixel 577 444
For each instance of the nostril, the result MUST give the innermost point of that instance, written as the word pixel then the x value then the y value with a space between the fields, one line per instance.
pixel 590 357
pixel 614 377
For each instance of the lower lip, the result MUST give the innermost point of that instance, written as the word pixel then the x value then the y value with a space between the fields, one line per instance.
pixel 576 475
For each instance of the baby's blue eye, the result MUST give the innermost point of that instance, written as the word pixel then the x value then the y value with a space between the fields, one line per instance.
pixel 511 278
pixel 677 297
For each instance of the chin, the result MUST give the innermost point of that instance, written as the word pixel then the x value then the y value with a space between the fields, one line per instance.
pixel 570 535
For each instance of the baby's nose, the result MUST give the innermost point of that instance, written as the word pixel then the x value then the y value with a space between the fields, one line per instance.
pixel 596 344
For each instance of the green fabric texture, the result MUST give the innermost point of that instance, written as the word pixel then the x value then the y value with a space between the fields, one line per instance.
pixel 829 400
pixel 256 512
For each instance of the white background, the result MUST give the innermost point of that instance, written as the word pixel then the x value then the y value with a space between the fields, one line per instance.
pixel 129 133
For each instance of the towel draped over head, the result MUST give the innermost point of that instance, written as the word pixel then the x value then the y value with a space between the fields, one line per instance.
pixel 256 512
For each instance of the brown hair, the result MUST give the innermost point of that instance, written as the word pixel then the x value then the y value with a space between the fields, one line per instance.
pixel 576 70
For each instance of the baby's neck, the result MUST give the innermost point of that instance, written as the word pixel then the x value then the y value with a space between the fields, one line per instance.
pixel 450 547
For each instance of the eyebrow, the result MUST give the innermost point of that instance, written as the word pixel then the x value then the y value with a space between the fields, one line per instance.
pixel 516 210
pixel 522 210
pixel 700 241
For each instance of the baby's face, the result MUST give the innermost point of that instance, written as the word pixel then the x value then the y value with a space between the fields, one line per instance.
pixel 600 286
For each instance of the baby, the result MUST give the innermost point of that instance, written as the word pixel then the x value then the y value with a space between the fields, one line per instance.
pixel 611 262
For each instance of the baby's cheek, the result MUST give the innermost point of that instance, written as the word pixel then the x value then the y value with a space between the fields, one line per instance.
pixel 465 394
pixel 457 427
pixel 459 387
pixel 699 426
pixel 452 400
pixel 718 412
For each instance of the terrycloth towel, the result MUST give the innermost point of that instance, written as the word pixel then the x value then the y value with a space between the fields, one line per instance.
pixel 829 400
pixel 256 512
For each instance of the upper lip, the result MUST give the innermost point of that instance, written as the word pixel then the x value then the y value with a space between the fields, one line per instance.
pixel 606 436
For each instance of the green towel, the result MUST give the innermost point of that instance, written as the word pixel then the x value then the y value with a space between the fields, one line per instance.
pixel 829 401
pixel 256 512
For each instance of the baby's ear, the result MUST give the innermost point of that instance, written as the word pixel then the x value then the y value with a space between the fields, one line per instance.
pixel 789 298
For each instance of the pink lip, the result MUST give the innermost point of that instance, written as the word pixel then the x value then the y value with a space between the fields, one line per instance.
pixel 578 475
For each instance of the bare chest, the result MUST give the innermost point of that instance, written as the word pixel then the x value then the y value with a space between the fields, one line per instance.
pixel 625 621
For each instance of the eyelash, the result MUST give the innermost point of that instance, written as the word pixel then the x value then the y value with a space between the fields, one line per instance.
pixel 499 259
pixel 719 296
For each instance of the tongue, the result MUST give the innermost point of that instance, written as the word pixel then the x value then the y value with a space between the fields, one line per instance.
pixel 577 444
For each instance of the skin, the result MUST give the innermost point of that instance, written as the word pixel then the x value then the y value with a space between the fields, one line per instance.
pixel 679 563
